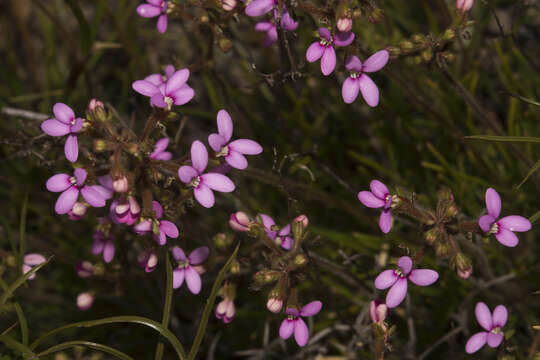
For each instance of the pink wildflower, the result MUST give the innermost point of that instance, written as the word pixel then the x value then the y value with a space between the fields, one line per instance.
pixel 186 270
pixel 280 237
pixel 155 8
pixel 358 81
pixel 225 310
pixel 379 196
pixel 85 301
pixel 103 243
pixel 31 260
pixel 294 322
pixel 160 228
pixel 174 91
pixel 159 152
pixel 239 221
pixel 324 49
pixel 65 123
pixel 491 323
pixel 148 260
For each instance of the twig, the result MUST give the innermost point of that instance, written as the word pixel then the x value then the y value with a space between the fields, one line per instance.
pixel 24 114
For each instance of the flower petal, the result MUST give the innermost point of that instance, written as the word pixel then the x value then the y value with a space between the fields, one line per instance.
pixel 325 33
pixel 368 199
pixel 246 146
pixel 34 259
pixel 350 90
pixel 224 125
pixel 158 209
pixel 66 200
pixel 287 22
pixel 148 11
pixel 108 251
pixel 423 277
pixel 143 227
pixel 506 237
pixel 485 222
pixel 353 63
pixel 369 90
pixel 199 156
pixel 145 88
pixel 259 7
pixel 168 228
pixel 218 182
pixel 161 145
pixel 216 142
pixel 183 95
pixel 376 61
pixel 71 148
pixel 178 254
pixel 158 101
pixel 328 61
pixel 58 182
pixel 386 279
pixel 236 160
pixel 483 315
pixel 63 113
pixel 178 79
pixel 156 79
pixel 54 127
pixel 494 340
pixel 92 197
pixel 80 176
pixel 378 189
pixel 263 26
pixel 500 315
pixel 198 255
pixel 301 332
pixel 271 37
pixel 186 174
pixel 476 342
pixel 311 309
pixel 343 38
pixel 515 223
pixel 204 196
pixel 314 52
pixel 178 277
pixel 385 221
pixel 405 263
pixel 162 23
pixel 286 329
pixel 397 293
pixel 193 280
pixel 493 202
pixel 267 221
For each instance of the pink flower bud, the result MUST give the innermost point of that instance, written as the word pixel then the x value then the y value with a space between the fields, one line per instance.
pixel 344 24
pixel 31 260
pixel 84 269
pixel 85 301
pixel 121 185
pixel 464 274
pixel 225 310
pixel 94 104
pixel 302 219
pixel 464 5
pixel 377 311
pixel 274 305
pixel 228 5
pixel 200 269
pixel 239 221
pixel 148 260
pixel 79 209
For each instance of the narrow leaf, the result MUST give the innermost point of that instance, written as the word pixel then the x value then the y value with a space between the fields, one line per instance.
pixel 512 139
pixel 92 345
pixel 24 350
pixel 22 323
pixel 167 306
pixel 532 171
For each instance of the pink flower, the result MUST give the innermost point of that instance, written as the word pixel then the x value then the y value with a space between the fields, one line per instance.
pixel 379 196
pixel 294 322
pixel 155 8
pixel 464 5
pixel 85 269
pixel 85 301
pixel 228 5
pixel 396 280
pixel 280 237
pixel 94 104
pixel 239 221
pixel 159 228
pixel 70 186
pixel 269 27
pixel 203 184
pixel 344 24
pixel 324 49
pixel 78 211
pixel 225 310
pixel 148 260
pixel 65 123
pixel 377 311
pixel 260 7
pixel 31 260
pixel 274 305
pixel 103 243
pixel 233 151
pixel 159 152
pixel 174 91
pixel 158 79
pixel 358 81
pixel 492 324
pixel 125 211
pixel 186 268
pixel 505 227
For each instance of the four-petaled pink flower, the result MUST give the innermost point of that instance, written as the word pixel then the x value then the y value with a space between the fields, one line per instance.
pixel 70 186
pixel 159 228
pixel 159 152
pixel 225 310
pixel 173 92
pixel 155 8
pixel 358 81
pixel 379 196
pixel 65 123
pixel 294 322
pixel 324 49
pixel 186 269
pixel 31 260
pixel 280 237
pixel 233 151
pixel 503 228
pixel 492 324
pixel 396 280
pixel 158 79
pixel 203 184
pixel 269 27
pixel 103 243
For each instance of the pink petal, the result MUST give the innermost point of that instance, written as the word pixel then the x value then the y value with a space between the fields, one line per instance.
pixel 368 199
pixel 246 146
pixel 271 37
pixel 493 202
pixel 259 7
pixel 187 173
pixel 397 293
pixel 162 23
pixel 311 309
pixel 386 279
pixel 369 90
pixel 301 332
pixel 163 156
pixel 314 52
pixel 405 263
pixel 476 342
pixel 343 38
pixel 77 126
pixel 385 221
pixel 168 228
pixel 199 156
pixel 34 259
pixel 108 252
pixel 158 209
pixel 63 113
pixel 378 189
pixel 350 90
pixel 286 329
pixel 156 79
pixel 494 340
pixel 80 176
pixel 376 61
pixel 236 160
pixel 178 254
pixel 98 245
pixel 285 231
pixel 500 315
pixel 145 88
pixel 328 61
pixel 71 148
pixel 54 127
pixel 515 223
pixel 506 237
pixel 204 196
pixel 483 315
pixel 353 63
pixel 287 22
pixel 423 277
pixel 143 227
pixel 267 220
pixel 158 101
pixel 485 222
pixel 216 142
pixel 263 26
pixel 178 277
pixel 178 79
pixel 66 200
pixel 58 182
pixel 225 125
pixel 325 33
pixel 198 255
pixel 92 197
pixel 193 280
pixel 161 145
pixel 217 182
pixel 148 11
pixel 183 95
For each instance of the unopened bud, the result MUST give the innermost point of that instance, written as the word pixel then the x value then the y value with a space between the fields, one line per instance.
pixel 239 221
pixel 377 311
pixel 445 194
pixel 222 241
pixel 376 16
pixel 264 277
pixel 79 208
pixel 299 224
pixel 431 235
pixel 225 44
pixel 449 34
pixel 121 185
pixel 406 46
pixel 464 5
pixel 228 5
pixel 84 269
pixel 235 267
pixel 452 210
pixel 427 55
pixel 393 51
pixel 344 24
pixel 418 38
pixel 94 104
pixel 463 266
pixel 442 249
pixel 300 260
pixel 85 301
pixel 274 305
pixel 100 145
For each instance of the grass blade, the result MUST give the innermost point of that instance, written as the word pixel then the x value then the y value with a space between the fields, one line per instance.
pixel 511 139
pixel 166 307
pixel 24 350
pixel 22 323
pixel 92 345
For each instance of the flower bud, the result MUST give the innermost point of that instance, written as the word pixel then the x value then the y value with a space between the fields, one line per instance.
pixel 274 305
pixel 463 266
pixel 377 311
pixel 239 221
pixel 85 301
pixel 148 260
pixel 344 24
pixel 225 44
pixel 79 208
pixel 449 34
pixel 226 310
pixel 228 5
pixel 393 51
pixel 406 46
pixel 464 5
pixel 442 249
pixel 376 16
pixel 121 184
pixel 299 224
pixel 235 267
pixel 84 269
pixel 431 235
pixel 264 277
pixel 300 260
pixel 418 38
pixel 100 145
pixel 427 55
pixel 452 210
pixel 223 241
pixel 94 104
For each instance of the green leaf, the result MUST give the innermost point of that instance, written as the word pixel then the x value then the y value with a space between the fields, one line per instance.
pixel 86 34
pixel 119 320
pixel 532 171
pixel 92 345
pixel 24 350
pixel 22 323
pixel 20 280
pixel 167 306
pixel 529 101
pixel 512 139
pixel 210 305
pixel 535 217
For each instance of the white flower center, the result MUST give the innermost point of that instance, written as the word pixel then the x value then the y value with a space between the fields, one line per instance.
pixel 195 182
pixel 223 152
pixel 169 101
pixel 494 228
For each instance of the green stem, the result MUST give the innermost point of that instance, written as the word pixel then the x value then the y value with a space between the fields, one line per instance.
pixel 166 307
